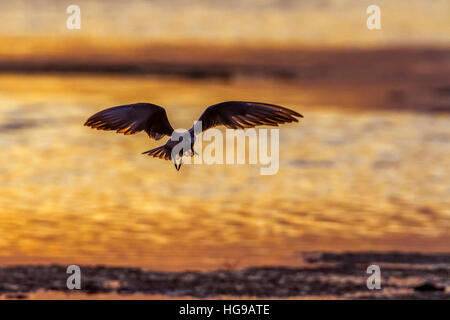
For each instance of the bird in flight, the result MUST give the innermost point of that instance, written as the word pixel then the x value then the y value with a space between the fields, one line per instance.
pixel 151 118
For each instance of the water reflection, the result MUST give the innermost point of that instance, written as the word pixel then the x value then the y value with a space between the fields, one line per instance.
pixel 348 180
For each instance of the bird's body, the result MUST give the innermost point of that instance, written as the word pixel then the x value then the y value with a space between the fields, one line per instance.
pixel 151 118
pixel 186 139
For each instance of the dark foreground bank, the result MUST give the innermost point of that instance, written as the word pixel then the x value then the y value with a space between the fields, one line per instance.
pixel 403 276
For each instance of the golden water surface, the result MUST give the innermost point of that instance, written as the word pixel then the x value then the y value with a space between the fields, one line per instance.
pixel 349 179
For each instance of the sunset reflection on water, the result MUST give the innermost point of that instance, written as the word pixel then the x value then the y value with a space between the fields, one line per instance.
pixel 348 180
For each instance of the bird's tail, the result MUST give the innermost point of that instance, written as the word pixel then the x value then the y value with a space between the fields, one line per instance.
pixel 165 152
pixel 162 152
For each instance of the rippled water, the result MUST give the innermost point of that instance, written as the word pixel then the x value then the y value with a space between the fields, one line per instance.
pixel 348 180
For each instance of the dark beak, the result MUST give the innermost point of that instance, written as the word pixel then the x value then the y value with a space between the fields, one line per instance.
pixel 178 166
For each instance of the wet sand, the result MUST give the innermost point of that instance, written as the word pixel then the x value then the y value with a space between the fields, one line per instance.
pixel 324 275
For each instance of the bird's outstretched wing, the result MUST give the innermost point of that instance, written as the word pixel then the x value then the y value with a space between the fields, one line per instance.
pixel 133 118
pixel 242 114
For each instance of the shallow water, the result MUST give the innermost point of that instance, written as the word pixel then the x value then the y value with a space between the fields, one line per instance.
pixel 349 179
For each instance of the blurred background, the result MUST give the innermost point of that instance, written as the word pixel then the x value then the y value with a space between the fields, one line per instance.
pixel 367 169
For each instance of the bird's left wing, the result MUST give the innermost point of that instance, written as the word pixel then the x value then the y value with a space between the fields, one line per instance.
pixel 133 118
pixel 242 114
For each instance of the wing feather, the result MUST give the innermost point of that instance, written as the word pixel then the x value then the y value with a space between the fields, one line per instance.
pixel 242 114
pixel 133 118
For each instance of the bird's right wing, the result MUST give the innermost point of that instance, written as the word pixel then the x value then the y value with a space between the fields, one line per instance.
pixel 133 118
pixel 242 114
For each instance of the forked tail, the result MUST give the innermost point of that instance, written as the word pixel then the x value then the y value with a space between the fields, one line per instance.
pixel 162 152
pixel 165 152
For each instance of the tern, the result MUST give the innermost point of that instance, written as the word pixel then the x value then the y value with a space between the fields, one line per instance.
pixel 133 118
